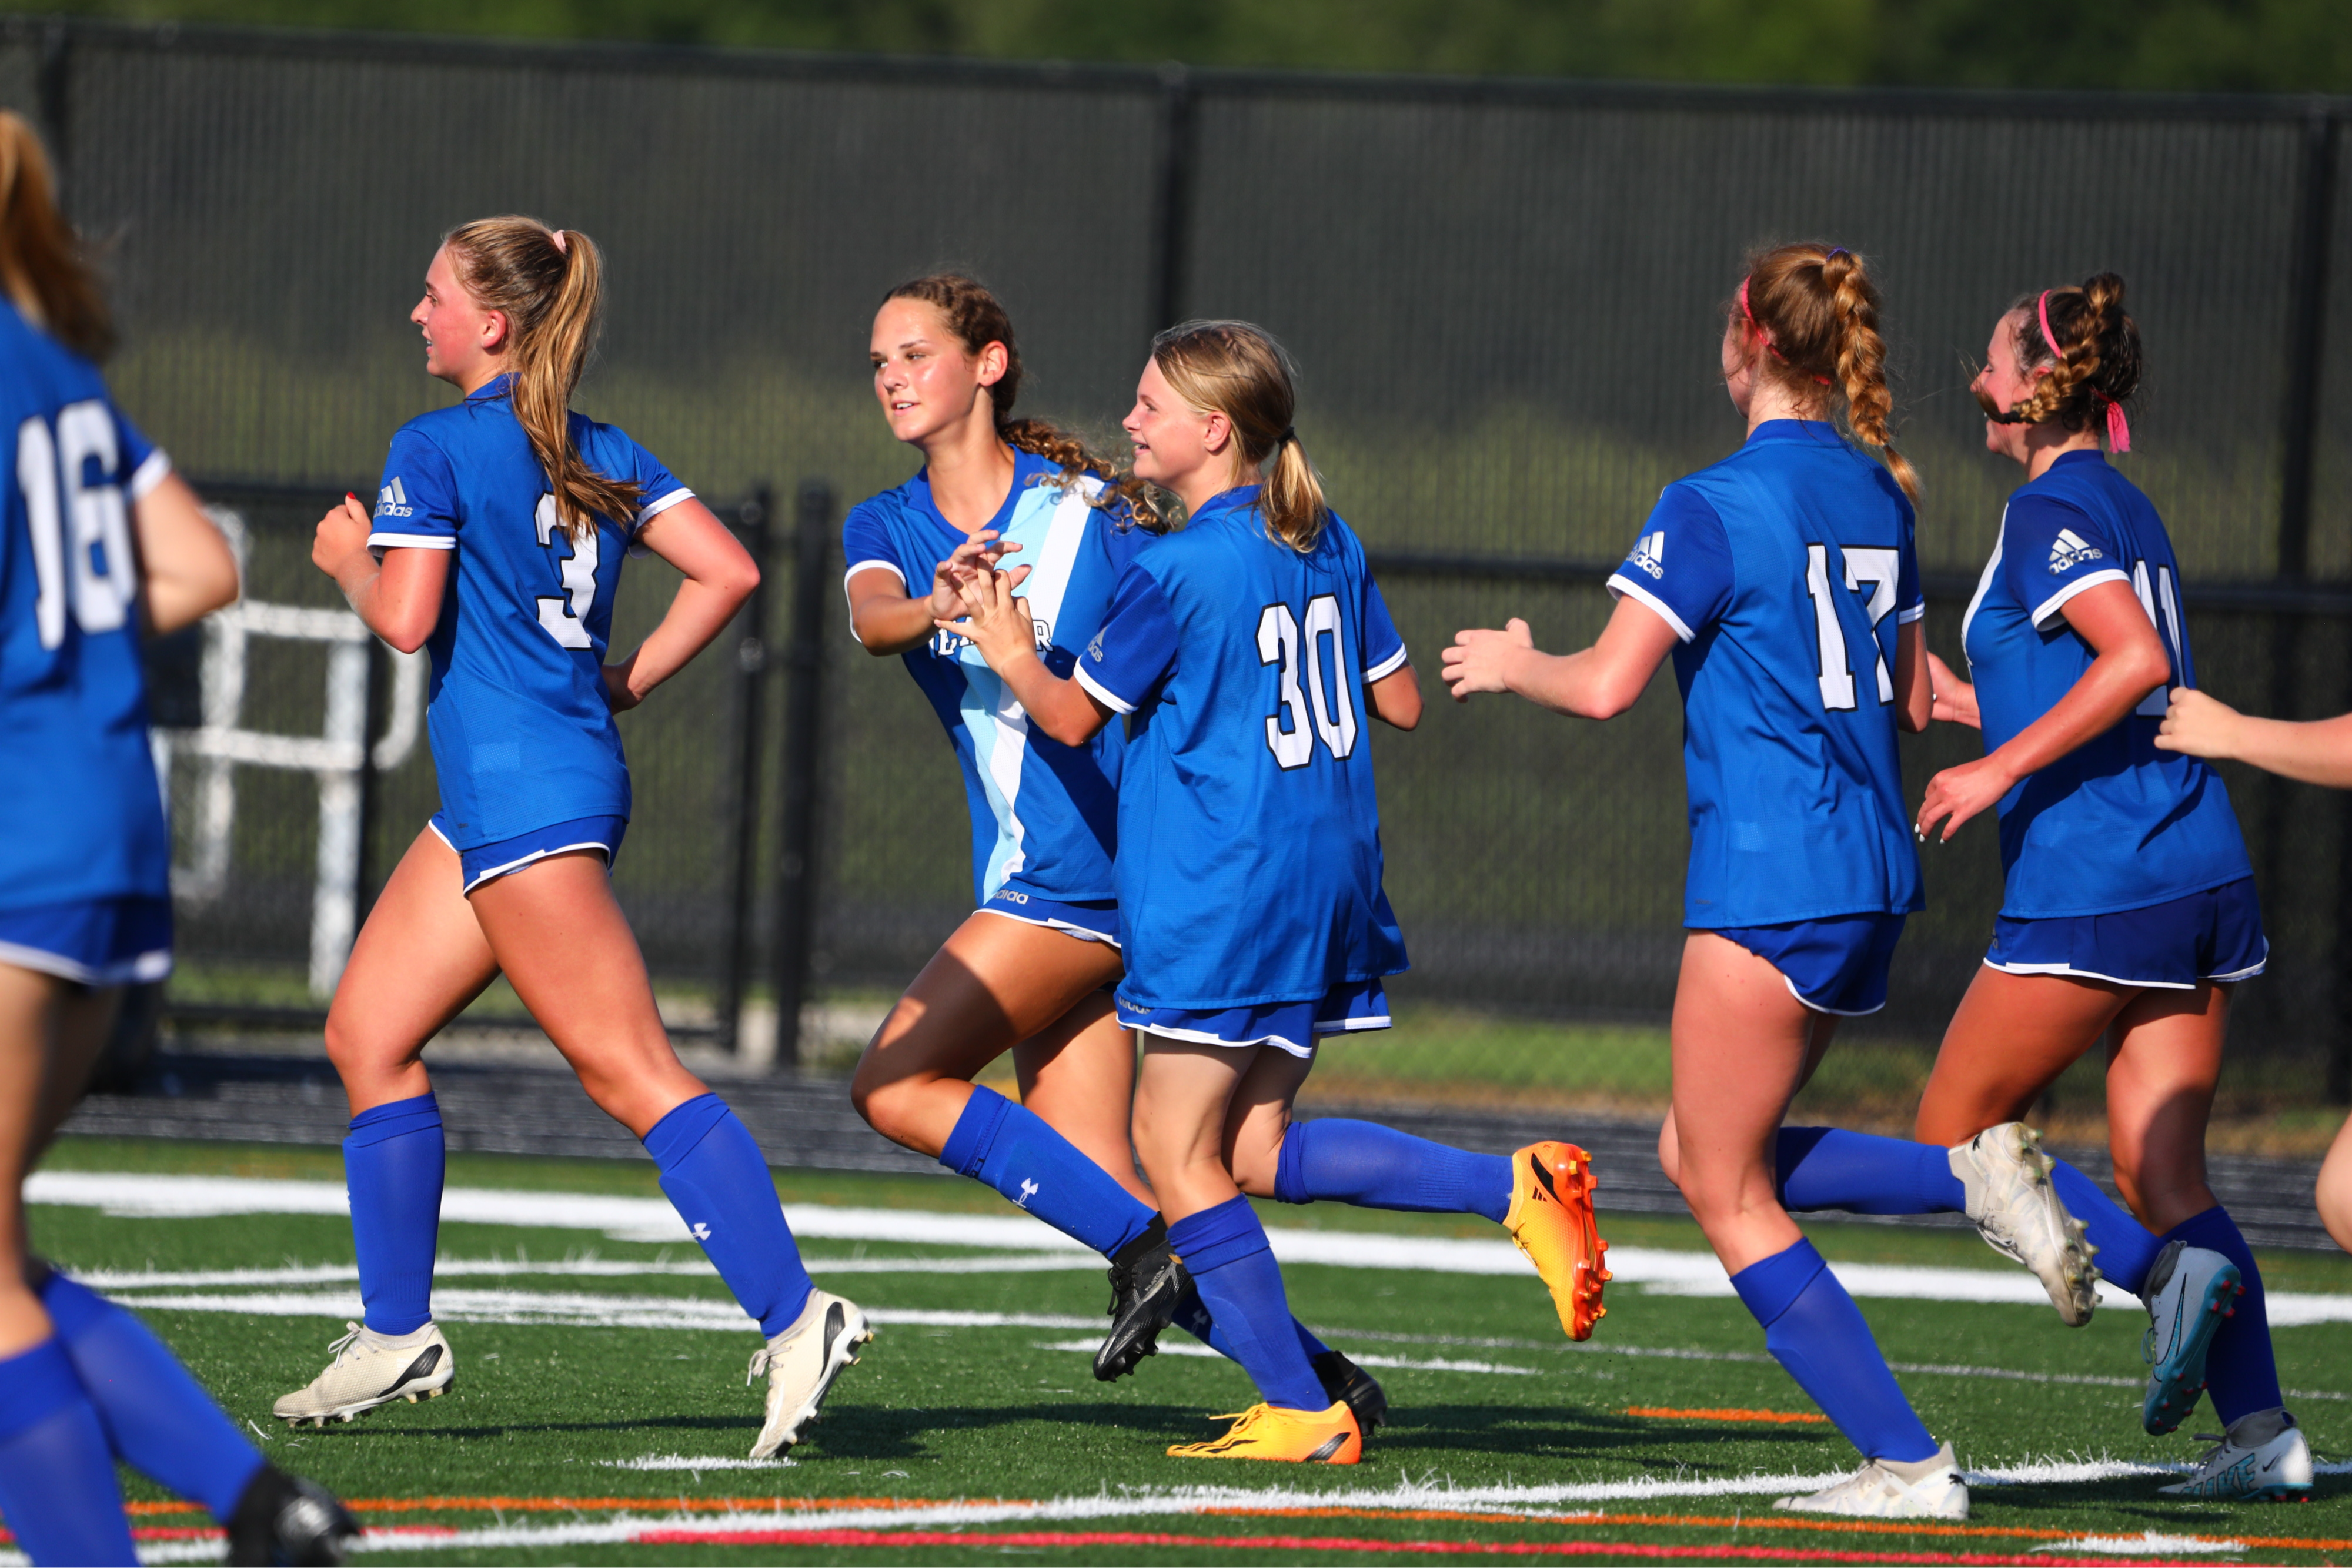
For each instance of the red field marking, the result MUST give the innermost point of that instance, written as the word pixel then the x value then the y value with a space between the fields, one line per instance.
pixel 1066 1540
pixel 1660 1412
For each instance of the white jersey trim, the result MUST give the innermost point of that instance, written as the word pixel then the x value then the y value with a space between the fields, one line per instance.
pixel 1622 585
pixel 137 969
pixel 1102 693
pixel 1905 617
pixel 2049 608
pixel 653 509
pixel 412 541
pixel 1202 1037
pixel 150 474
pixel 1387 666
pixel 1080 932
pixel 2247 973
pixel 889 566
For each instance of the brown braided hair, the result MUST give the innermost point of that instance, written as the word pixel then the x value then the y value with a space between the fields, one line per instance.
pixel 975 317
pixel 1818 309
pixel 2101 364
pixel 43 265
pixel 553 295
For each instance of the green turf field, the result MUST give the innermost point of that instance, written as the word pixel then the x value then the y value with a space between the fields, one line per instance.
pixel 600 1413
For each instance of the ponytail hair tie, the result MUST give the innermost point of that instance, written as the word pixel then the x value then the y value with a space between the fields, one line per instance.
pixel 1835 252
pixel 563 242
pixel 2118 429
pixel 1289 433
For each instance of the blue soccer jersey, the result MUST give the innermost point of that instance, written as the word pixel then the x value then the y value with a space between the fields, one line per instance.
pixel 86 816
pixel 2115 823
pixel 1785 570
pixel 1249 866
pixel 1044 816
pixel 522 731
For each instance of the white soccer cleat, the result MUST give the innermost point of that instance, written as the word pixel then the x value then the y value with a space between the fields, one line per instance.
pixel 801 1364
pixel 1882 1489
pixel 2018 1212
pixel 2261 1458
pixel 2188 1291
pixel 372 1369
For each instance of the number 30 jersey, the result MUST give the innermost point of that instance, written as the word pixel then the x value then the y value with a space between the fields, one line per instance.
pixel 85 816
pixel 522 734
pixel 1785 570
pixel 1249 837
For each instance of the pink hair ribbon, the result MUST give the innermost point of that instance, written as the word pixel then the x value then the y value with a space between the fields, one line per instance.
pixel 2049 337
pixel 2118 427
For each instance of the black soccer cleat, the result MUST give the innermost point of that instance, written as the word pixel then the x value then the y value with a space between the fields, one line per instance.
pixel 1145 1283
pixel 284 1521
pixel 1343 1379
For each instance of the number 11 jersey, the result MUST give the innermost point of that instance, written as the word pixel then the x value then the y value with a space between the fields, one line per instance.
pixel 1785 570
pixel 522 734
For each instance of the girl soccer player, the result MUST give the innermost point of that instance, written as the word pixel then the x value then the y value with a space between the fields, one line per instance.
pixel 1785 584
pixel 501 525
pixel 2197 725
pixel 101 542
pixel 1241 650
pixel 1031 971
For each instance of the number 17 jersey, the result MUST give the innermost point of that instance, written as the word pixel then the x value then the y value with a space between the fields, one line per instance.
pixel 522 732
pixel 1785 570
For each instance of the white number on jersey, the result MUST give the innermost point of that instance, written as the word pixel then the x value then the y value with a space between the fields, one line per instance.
pixel 75 524
pixel 1875 566
pixel 2167 627
pixel 1329 712
pixel 565 615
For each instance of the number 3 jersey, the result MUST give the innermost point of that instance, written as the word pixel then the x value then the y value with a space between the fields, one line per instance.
pixel 522 732
pixel 1785 570
pixel 1249 832
pixel 2115 823
pixel 85 815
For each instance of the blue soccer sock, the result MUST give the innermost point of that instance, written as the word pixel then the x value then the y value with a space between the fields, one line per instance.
pixel 2241 1373
pixel 1828 1167
pixel 1011 1149
pixel 1815 1332
pixel 392 1165
pixel 156 1418
pixel 1194 1318
pixel 1233 1268
pixel 2127 1248
pixel 715 1178
pixel 57 1479
pixel 1374 1166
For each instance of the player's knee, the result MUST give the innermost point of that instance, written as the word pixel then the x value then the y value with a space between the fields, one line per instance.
pixel 1670 1153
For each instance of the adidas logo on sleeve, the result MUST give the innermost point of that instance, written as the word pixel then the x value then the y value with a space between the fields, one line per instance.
pixel 391 501
pixel 1650 553
pixel 2070 549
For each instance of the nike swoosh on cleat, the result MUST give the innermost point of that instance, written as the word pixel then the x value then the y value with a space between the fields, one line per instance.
pixel 421 1368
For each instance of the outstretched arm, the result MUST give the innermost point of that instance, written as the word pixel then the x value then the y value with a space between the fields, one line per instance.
pixel 719 576
pixel 2319 752
pixel 1600 682
pixel 1000 627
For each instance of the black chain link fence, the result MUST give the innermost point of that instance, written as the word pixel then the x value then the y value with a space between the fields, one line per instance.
pixel 1505 299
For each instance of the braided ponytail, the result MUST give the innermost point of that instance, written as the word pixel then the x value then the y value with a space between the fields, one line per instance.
pixel 1817 310
pixel 2091 349
pixel 551 284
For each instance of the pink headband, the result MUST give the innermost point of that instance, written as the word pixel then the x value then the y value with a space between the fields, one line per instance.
pixel 2118 427
pixel 1770 345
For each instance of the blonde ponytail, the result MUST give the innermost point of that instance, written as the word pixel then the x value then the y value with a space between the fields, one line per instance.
pixel 551 284
pixel 42 265
pixel 1239 371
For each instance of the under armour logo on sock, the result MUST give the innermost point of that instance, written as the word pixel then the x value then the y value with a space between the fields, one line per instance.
pixel 1028 1191
pixel 701 1232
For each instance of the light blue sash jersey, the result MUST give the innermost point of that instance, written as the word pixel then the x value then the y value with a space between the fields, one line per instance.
pixel 1785 570
pixel 85 815
pixel 1249 866
pixel 1044 816
pixel 2115 824
pixel 522 732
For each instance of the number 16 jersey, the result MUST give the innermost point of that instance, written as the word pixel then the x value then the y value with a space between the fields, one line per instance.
pixel 522 733
pixel 1785 570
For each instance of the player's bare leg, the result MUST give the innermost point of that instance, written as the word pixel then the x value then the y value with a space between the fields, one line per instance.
pixel 2011 1039
pixel 2164 1059
pixel 2335 1191
pixel 1078 1075
pixel 419 960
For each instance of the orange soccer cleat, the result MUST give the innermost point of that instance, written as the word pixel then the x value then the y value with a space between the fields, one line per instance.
pixel 1551 1219
pixel 1295 1437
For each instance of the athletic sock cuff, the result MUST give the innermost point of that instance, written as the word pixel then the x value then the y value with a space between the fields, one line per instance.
pixel 1217 1237
pixel 35 1384
pixel 1770 1286
pixel 73 1308
pixel 674 1137
pixel 2213 1229
pixel 967 1147
pixel 393 1119
pixel 1290 1170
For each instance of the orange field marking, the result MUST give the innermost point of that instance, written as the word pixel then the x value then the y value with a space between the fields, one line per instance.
pixel 1805 1416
